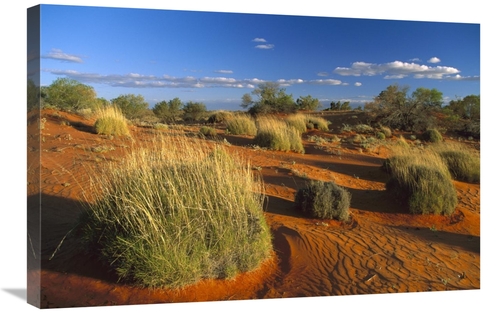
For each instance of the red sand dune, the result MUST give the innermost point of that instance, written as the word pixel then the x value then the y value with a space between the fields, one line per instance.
pixel 382 249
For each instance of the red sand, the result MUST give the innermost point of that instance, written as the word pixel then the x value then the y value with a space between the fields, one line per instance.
pixel 382 249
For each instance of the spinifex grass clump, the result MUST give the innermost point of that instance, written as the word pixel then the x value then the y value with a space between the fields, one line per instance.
pixel 303 122
pixel 208 131
pixel 324 200
pixel 276 134
pixel 219 116
pixel 432 135
pixel 241 124
pixel 318 122
pixel 176 213
pixel 298 121
pixel 111 121
pixel 462 162
pixel 422 182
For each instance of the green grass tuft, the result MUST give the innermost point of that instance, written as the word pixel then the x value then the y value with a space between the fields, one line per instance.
pixel 241 124
pixel 174 213
pixel 276 134
pixel 110 121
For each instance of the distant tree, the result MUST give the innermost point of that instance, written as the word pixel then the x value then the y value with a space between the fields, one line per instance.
pixel 33 95
pixel 308 103
pixel 102 102
pixel 464 116
pixel 345 106
pixel 338 106
pixel 69 94
pixel 132 106
pixel 167 112
pixel 466 108
pixel 270 99
pixel 194 111
pixel 393 107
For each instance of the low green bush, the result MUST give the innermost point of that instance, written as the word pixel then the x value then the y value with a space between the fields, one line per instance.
pixel 219 117
pixel 387 131
pixel 324 200
pixel 208 131
pixel 432 135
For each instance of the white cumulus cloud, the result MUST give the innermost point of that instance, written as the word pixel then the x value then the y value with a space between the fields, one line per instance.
pixel 265 47
pixel 434 60
pixel 396 69
pixel 57 54
pixel 259 40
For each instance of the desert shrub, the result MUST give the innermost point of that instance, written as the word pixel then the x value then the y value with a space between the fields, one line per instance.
pixel 346 128
pixel 276 134
pixel 69 95
pixel 132 106
pixel 363 128
pixel 395 108
pixel 463 163
pixel 110 121
pixel 194 111
pixel 324 200
pixel 174 213
pixel 401 142
pixel 421 181
pixel 396 161
pixel 432 135
pixel 425 190
pixel 387 131
pixel 208 131
pixel 380 135
pixel 160 126
pixel 358 138
pixel 220 117
pixel 299 122
pixel 168 112
pixel 241 124
pixel 318 122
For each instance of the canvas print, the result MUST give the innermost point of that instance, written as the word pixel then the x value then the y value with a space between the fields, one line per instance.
pixel 189 156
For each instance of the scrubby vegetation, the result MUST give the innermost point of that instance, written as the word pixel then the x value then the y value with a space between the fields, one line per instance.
pixel 462 162
pixel 110 121
pixel 194 111
pixel 220 116
pixel 318 122
pixel 276 134
pixel 324 200
pixel 174 213
pixel 208 131
pixel 241 124
pixel 298 121
pixel 420 180
pixel 168 112
pixel 432 135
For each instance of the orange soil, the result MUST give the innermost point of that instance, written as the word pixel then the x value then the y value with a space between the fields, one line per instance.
pixel 382 249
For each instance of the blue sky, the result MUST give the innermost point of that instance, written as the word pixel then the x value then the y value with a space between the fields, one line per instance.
pixel 215 58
